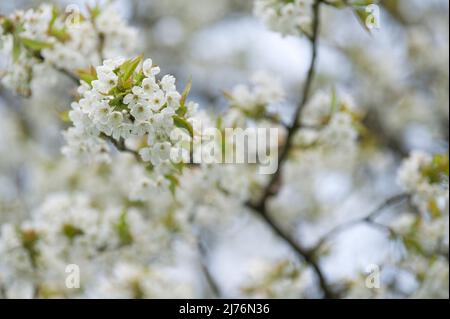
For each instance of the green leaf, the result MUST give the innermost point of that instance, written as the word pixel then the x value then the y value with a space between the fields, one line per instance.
pixel 123 230
pixel 128 67
pixel 35 45
pixel 29 239
pixel 139 78
pixel 54 17
pixel 334 101
pixel 413 244
pixel 16 48
pixel 441 162
pixel 170 222
pixel 87 75
pixel 186 92
pixel 61 34
pixel 437 170
pixel 173 183
pixel 182 110
pixel 433 209
pixel 362 3
pixel 219 121
pixel 71 231
pixel 117 101
pixel 64 116
pixel 183 123
pixel 94 11
pixel 362 16
pixel 7 24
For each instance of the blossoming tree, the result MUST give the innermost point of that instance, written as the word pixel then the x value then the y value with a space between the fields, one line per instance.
pixel 140 192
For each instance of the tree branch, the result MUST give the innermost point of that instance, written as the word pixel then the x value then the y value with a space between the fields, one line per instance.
pixel 261 206
pixel 69 74
pixel 120 145
pixel 369 219
pixel 269 191
pixel 212 284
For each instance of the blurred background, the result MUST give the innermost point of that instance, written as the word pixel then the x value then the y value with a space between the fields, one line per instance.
pixel 397 76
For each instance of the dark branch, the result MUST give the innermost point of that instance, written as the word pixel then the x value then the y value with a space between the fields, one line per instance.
pixel 69 74
pixel 120 146
pixel 212 284
pixel 261 206
pixel 370 219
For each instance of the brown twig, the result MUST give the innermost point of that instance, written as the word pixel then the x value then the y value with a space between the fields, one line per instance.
pixel 68 74
pixel 120 145
pixel 370 219
pixel 261 206
pixel 212 284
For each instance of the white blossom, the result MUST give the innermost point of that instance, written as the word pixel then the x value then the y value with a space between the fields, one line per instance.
pixel 286 17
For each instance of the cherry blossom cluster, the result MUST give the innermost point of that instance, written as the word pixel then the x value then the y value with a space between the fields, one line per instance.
pixel 292 17
pixel 65 41
pixel 253 100
pixel 85 229
pixel 425 177
pixel 124 102
pixel 329 120
pixel 274 279
pixel 133 218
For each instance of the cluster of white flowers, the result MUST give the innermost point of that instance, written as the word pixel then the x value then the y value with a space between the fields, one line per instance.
pixel 274 279
pixel 74 228
pixel 423 236
pixel 434 281
pixel 289 17
pixel 329 120
pixel 17 75
pixel 68 42
pixel 425 177
pixel 132 218
pixel 253 100
pixel 129 280
pixel 125 102
pixel 119 38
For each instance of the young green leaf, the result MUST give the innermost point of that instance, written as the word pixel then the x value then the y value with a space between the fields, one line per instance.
pixel 35 45
pixel 173 183
pixel 186 92
pixel 87 75
pixel 128 67
pixel 123 230
pixel 71 231
pixel 16 48
pixel 183 123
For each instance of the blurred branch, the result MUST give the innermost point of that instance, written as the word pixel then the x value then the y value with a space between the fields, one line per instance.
pixel 370 219
pixel 14 104
pixel 212 284
pixel 63 71
pixel 68 74
pixel 271 189
pixel 393 7
pixel 120 145
pixel 101 42
pixel 393 142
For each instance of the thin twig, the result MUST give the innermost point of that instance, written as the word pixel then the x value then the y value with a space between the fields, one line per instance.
pixel 212 284
pixel 261 206
pixel 269 190
pixel 120 145
pixel 69 74
pixel 64 71
pixel 101 42
pixel 370 219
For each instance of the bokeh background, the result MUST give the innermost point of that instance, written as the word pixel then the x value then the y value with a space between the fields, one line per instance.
pixel 397 75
